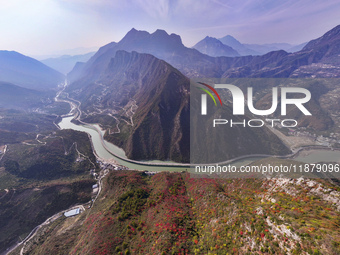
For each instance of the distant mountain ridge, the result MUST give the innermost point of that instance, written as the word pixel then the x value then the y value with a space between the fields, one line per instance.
pixel 268 47
pixel 311 61
pixel 66 63
pixel 27 72
pixel 239 47
pixel 215 48
pixel 160 44
pixel 190 62
pixel 258 49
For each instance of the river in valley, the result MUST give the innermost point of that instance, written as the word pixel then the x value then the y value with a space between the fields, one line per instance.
pixel 109 151
pixel 316 156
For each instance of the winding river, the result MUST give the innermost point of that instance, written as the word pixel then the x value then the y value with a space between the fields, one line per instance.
pixel 108 151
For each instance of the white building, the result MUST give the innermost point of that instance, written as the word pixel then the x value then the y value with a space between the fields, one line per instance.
pixel 72 212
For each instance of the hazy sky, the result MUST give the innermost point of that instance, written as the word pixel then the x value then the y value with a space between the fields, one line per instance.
pixel 43 27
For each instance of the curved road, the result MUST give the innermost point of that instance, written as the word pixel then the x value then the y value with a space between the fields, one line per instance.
pixel 54 217
pixel 76 112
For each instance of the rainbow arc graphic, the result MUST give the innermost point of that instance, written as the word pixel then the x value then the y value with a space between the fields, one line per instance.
pixel 204 97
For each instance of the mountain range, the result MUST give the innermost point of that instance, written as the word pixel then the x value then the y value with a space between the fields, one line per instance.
pixel 228 46
pixel 258 49
pixel 134 88
pixel 139 88
pixel 160 44
pixel 192 63
pixel 316 59
pixel 147 102
pixel 138 91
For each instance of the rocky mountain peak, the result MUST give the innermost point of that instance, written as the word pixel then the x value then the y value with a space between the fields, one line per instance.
pixel 214 47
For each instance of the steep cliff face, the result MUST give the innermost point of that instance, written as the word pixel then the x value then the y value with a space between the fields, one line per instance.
pixel 161 94
pixel 149 100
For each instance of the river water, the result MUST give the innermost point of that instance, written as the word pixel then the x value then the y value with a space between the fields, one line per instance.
pixel 316 156
pixel 107 151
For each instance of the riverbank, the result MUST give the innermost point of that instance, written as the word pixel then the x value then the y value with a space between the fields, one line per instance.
pixel 116 154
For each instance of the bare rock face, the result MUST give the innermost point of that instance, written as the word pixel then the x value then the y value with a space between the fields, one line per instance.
pixel 150 100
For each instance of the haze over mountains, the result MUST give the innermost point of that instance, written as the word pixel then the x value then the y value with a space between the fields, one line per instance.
pixel 309 62
pixel 65 63
pixel 215 48
pixel 138 91
pixel 265 48
pixel 27 72
pixel 239 47
pixel 138 88
pixel 191 62
pixel 159 44
pixel 228 46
